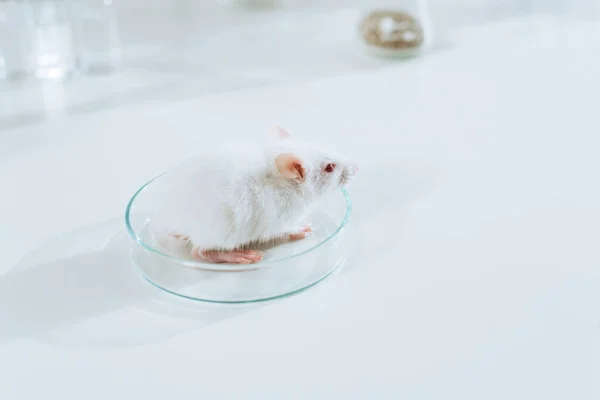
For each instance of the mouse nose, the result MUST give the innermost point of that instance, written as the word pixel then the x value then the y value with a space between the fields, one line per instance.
pixel 351 171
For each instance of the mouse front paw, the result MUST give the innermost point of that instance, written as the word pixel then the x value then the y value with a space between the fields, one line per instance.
pixel 300 234
pixel 179 236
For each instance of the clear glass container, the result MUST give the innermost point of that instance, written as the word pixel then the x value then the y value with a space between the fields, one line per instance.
pixel 16 30
pixel 53 40
pixel 54 56
pixel 396 28
pixel 96 34
pixel 285 269
pixel 256 4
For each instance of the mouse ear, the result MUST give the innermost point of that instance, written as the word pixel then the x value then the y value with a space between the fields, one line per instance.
pixel 281 133
pixel 290 166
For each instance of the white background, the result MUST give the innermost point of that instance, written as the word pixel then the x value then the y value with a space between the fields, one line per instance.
pixel 475 274
pixel 177 50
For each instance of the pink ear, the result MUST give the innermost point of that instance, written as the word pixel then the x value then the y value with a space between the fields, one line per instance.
pixel 281 133
pixel 290 166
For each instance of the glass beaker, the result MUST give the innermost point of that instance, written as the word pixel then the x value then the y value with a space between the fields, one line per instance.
pixel 253 4
pixel 54 53
pixel 16 30
pixel 97 42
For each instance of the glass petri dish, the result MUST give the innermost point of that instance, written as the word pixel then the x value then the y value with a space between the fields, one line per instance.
pixel 286 269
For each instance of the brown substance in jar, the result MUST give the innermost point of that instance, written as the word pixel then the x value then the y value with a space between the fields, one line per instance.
pixel 394 30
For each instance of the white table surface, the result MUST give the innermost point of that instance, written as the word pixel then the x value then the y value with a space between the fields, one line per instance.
pixel 477 262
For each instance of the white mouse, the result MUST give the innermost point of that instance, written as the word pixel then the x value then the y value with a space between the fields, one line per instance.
pixel 224 202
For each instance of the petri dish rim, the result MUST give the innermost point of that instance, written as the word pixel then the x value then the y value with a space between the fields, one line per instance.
pixel 227 267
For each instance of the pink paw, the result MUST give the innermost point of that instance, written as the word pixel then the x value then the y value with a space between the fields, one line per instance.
pixel 230 257
pixel 301 234
pixel 180 236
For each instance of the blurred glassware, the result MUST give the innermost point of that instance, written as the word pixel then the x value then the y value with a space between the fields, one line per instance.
pixel 253 3
pixel 397 28
pixel 16 29
pixel 53 42
pixel 96 34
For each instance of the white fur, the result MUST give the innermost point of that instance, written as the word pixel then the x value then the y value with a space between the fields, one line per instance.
pixel 227 198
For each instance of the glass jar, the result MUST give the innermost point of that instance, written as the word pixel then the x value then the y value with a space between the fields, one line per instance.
pixel 253 4
pixel 16 31
pixel 400 28
pixel 53 41
pixel 96 34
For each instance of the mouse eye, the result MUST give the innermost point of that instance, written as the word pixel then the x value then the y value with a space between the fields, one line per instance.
pixel 329 167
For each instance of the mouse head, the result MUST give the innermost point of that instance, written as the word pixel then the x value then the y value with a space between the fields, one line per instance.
pixel 317 170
